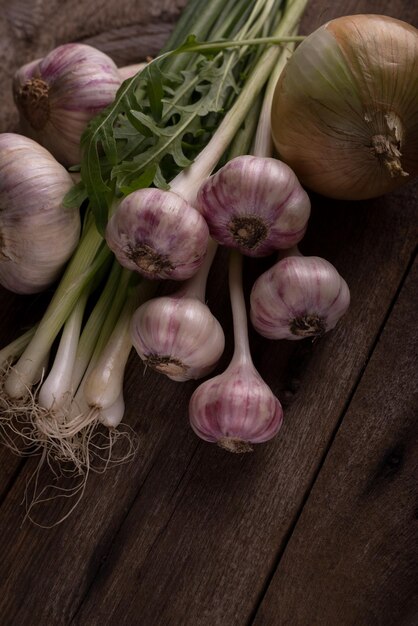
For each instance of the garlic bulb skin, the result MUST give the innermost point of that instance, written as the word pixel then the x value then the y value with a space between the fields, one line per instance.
pixel 298 297
pixel 177 336
pixel 349 97
pixel 37 233
pixel 158 234
pixel 255 204
pixel 58 95
pixel 235 409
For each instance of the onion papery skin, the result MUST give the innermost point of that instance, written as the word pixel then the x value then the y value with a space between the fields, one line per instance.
pixel 256 188
pixel 353 80
pixel 37 233
pixel 178 337
pixel 59 94
pixel 158 234
pixel 235 409
pixel 298 297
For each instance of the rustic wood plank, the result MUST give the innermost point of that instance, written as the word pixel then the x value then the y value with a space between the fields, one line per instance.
pixel 353 558
pixel 186 510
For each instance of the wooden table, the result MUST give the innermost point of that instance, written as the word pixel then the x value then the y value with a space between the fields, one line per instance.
pixel 317 527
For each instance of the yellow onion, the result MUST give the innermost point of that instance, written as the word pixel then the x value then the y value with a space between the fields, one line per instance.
pixel 345 110
pixel 37 233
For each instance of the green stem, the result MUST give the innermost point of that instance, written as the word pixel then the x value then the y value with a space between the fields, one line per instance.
pixel 15 348
pixel 242 352
pixel 216 46
pixel 112 314
pixel 104 383
pixel 94 324
pixel 263 143
pixel 189 180
pixel 79 272
pixel 244 136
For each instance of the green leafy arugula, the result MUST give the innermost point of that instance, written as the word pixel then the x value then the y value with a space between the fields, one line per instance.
pixel 157 124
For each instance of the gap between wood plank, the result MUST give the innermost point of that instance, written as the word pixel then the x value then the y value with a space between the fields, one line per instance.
pixel 116 533
pixel 306 496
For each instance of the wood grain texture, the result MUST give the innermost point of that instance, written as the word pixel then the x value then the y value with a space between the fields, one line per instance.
pixel 188 534
pixel 353 558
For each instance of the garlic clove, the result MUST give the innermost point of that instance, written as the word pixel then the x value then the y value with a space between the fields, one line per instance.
pixel 178 337
pixel 158 234
pixel 235 409
pixel 58 95
pixel 37 233
pixel 255 204
pixel 298 297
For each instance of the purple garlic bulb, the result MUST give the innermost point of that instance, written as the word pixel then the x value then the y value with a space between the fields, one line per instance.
pixel 255 204
pixel 58 95
pixel 298 297
pixel 158 234
pixel 235 409
pixel 177 336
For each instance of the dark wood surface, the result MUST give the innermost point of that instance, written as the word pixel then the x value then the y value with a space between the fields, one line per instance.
pixel 317 527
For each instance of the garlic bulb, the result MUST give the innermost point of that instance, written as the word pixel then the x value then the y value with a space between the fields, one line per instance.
pixel 298 297
pixel 236 408
pixel 178 335
pixel 255 204
pixel 344 113
pixel 37 233
pixel 58 95
pixel 158 234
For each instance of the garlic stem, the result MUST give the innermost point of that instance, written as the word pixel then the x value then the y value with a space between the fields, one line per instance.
pixel 55 392
pixel 189 180
pixel 244 136
pixel 293 251
pixel 80 270
pixel 242 353
pixel 263 142
pixel 195 287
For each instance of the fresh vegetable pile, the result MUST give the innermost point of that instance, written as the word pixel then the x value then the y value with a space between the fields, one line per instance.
pixel 162 169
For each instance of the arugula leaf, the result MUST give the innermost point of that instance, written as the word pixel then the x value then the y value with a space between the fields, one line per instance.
pixel 158 122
